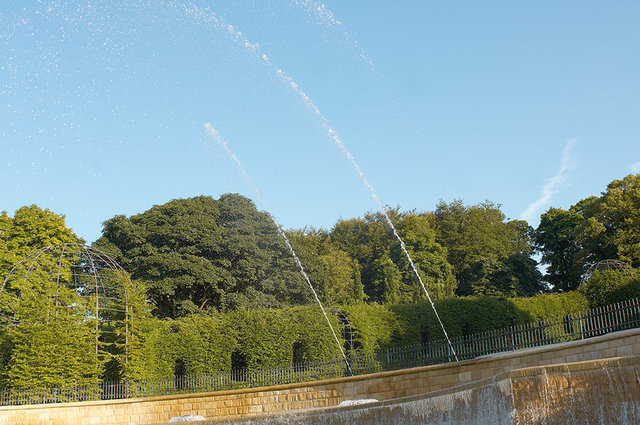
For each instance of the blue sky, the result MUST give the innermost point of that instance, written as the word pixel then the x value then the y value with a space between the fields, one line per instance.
pixel 103 106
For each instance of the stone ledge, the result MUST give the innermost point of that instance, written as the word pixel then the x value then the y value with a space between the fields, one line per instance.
pixel 505 380
pixel 574 367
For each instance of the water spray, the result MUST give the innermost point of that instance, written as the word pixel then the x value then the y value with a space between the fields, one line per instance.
pixel 253 49
pixel 213 134
pixel 338 141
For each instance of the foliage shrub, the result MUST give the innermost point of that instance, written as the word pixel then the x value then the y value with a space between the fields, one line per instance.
pixel 58 353
pixel 211 343
pixel 152 353
pixel 611 286
pixel 386 326
pixel 375 326
pixel 461 316
pixel 310 331
pixel 203 344
pixel 549 306
pixel 263 337
pixel 266 338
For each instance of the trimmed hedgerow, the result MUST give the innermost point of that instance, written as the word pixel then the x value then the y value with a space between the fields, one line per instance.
pixel 549 306
pixel 151 355
pixel 375 326
pixel 266 338
pixel 193 345
pixel 383 326
pixel 202 345
pixel 263 338
pixel 311 336
pixel 461 316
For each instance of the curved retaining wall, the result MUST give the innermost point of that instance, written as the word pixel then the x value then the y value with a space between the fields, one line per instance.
pixel 598 391
pixel 271 400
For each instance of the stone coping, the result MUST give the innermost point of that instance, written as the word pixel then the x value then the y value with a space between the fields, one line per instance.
pixel 561 368
pixel 264 390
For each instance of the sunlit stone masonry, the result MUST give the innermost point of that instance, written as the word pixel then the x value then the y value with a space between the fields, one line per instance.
pixel 596 379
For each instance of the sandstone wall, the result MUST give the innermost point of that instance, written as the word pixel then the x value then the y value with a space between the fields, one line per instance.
pixel 381 386
pixel 597 391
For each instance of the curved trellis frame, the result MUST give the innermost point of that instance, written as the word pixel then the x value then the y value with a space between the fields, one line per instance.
pixel 604 265
pixel 89 273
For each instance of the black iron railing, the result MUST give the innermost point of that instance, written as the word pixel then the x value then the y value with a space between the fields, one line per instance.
pixel 599 321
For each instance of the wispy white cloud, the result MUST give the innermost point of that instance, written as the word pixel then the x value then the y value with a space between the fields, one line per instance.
pixel 635 168
pixel 552 185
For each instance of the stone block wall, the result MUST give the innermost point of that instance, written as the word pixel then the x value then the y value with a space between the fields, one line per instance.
pixel 270 400
pixel 596 391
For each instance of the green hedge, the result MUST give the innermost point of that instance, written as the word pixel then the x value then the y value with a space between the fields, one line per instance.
pixel 375 326
pixel 217 342
pixel 203 344
pixel 549 306
pixel 206 344
pixel 385 326
pixel 461 316
pixel 152 352
pixel 266 338
pixel 312 335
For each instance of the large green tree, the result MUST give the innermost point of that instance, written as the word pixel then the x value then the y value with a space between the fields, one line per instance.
pixel 387 275
pixel 200 253
pixel 594 229
pixel 428 256
pixel 30 229
pixel 557 239
pixel 615 219
pixel 332 272
pixel 480 243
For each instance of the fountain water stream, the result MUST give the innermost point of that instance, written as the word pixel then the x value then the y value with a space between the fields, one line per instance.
pixel 254 49
pixel 111 59
pixel 212 133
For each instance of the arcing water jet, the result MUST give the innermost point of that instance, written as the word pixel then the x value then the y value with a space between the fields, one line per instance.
pixel 254 50
pixel 212 133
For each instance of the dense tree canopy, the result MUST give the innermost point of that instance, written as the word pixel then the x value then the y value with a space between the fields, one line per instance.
pixel 557 240
pixel 333 273
pixel 594 229
pixel 617 214
pixel 201 253
pixel 483 249
pixel 387 275
pixel 30 229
